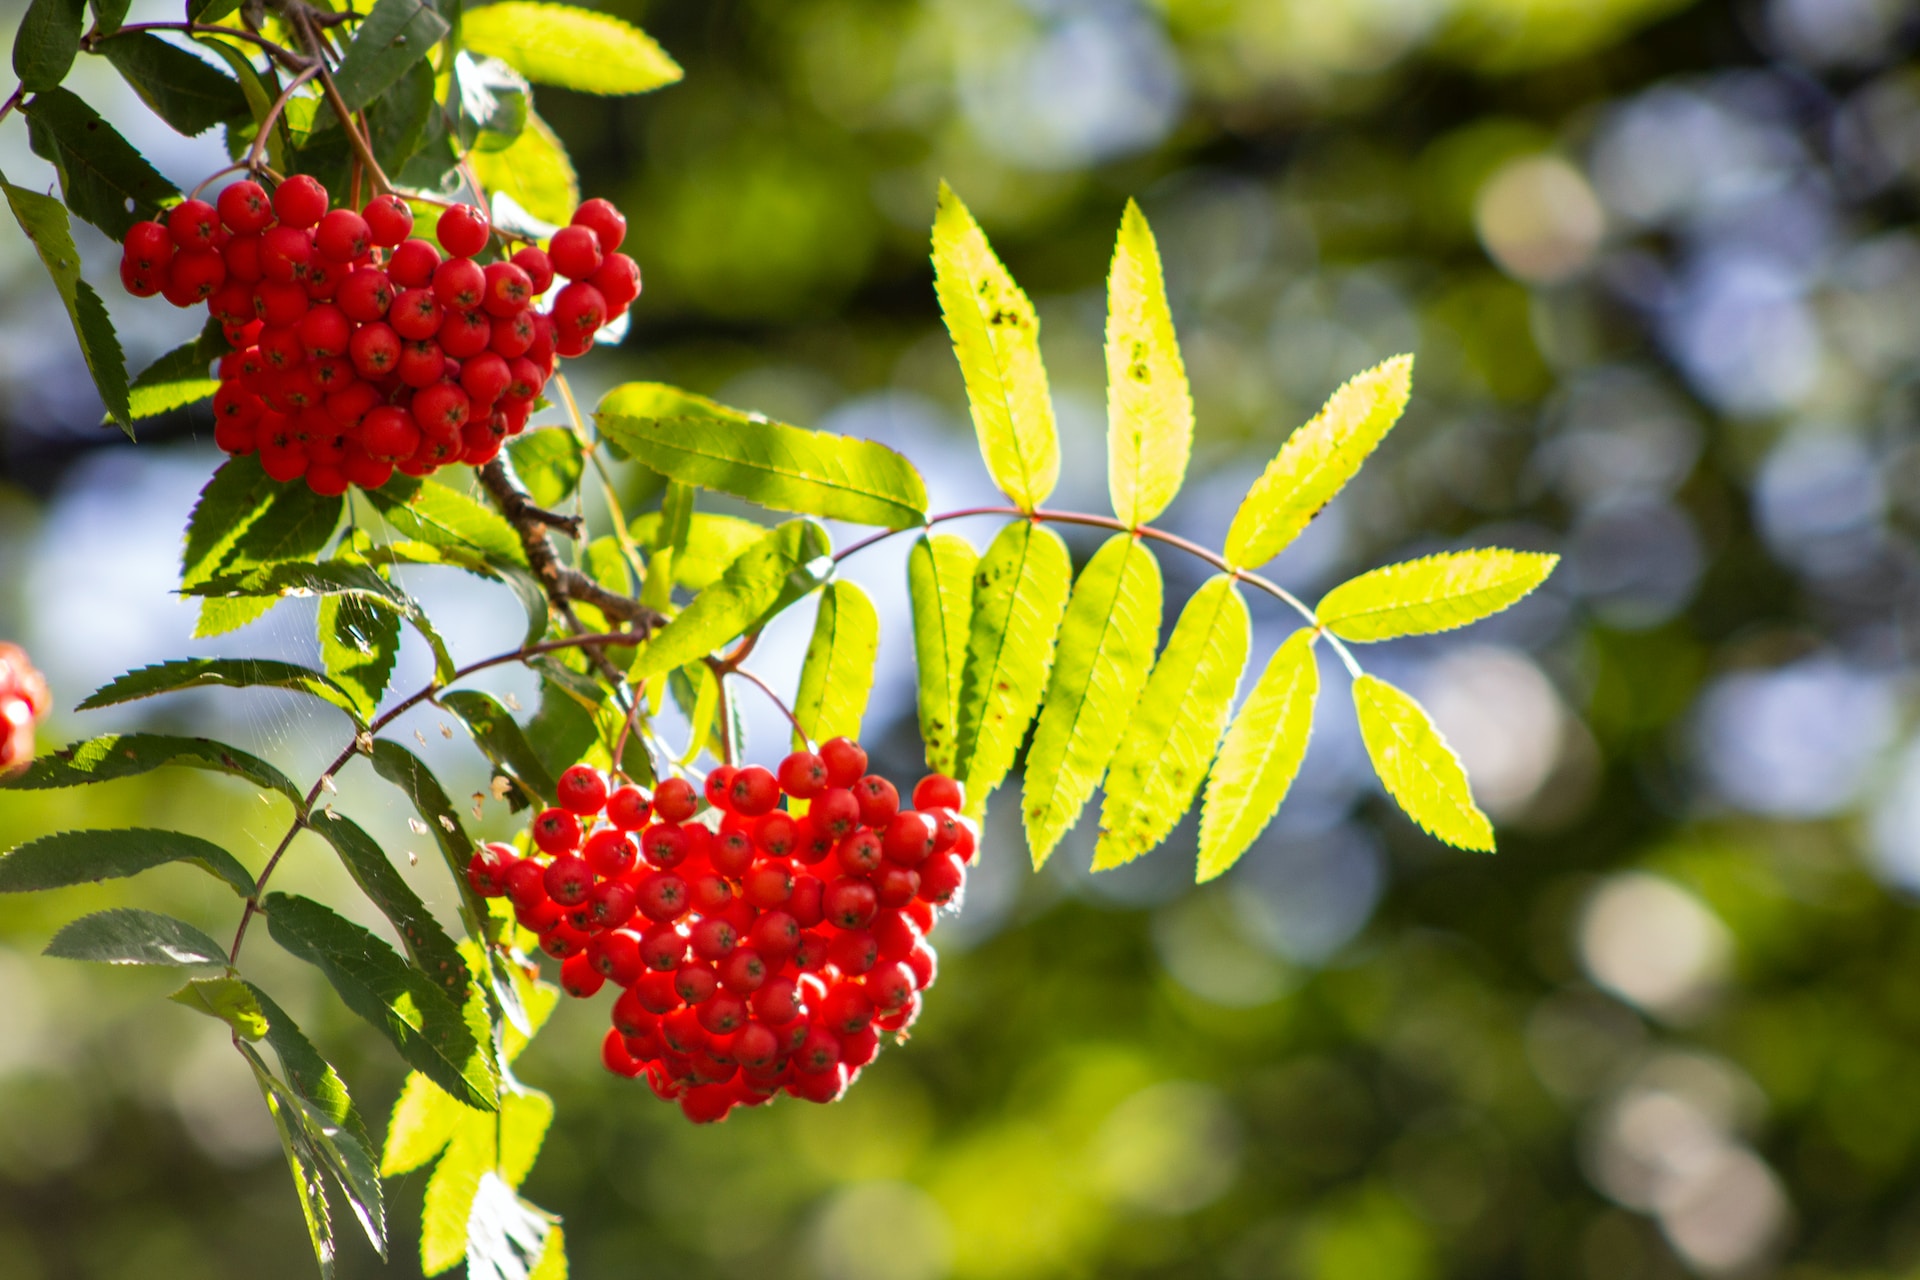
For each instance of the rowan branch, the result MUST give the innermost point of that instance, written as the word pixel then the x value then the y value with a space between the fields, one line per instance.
pixel 562 581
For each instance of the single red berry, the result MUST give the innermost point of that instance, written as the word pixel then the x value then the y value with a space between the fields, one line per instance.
pixel 464 333
pixel 896 935
pixel 732 852
pixel 232 302
pixel 579 976
pixel 776 834
pixel 754 791
pixel 908 839
pixel 810 843
pixel 507 289
pixel 722 1013
pixel 663 948
pixel 148 245
pixel 630 1017
pixel 487 869
pixel 654 991
pixel 695 981
pixel 484 377
pixel 768 885
pixel 141 282
pixel 413 264
pixel 710 893
pixel 618 281
pixel 526 884
pixel 575 252
pixel 324 278
pixel 365 295
pixel 713 939
pixel 674 800
pixel 441 408
pixel 579 312
pixel 300 201
pixel 324 330
pixel 512 335
pixel 284 253
pixel 615 1057
pixel 192 223
pixel 616 954
pixel 242 254
pixel 835 812
pixel 421 364
pixel 582 789
pixel 937 791
pixel 342 236
pixel 389 220
pixel 755 1047
pixel 193 276
pixel 774 935
pixel 351 402
pixel 611 904
pixel 562 941
pixel 810 955
pixel 850 903
pixel 526 384
pixel 803 775
pixel 663 896
pixel 538 266
pixel 281 348
pixel 279 303
pixel 610 852
pixel 897 885
pixel 807 902
pixel 743 972
pixel 416 315
pixel 942 878
pixel 608 223
pixel 847 1009
pixel 556 831
pixel 853 952
pixel 245 207
pixel 627 808
pixel 878 800
pixel 860 854
pixel 569 879
pixel 664 845
pixel 374 350
pixel 460 284
pixel 462 230
pixel 716 785
pixel 819 1052
pixel 777 1002
pixel 845 761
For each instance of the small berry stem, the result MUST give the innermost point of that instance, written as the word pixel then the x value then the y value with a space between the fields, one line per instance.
pixel 256 160
pixel 280 53
pixel 767 689
pixel 13 100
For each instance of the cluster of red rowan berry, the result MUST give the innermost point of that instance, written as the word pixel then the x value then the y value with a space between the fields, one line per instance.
pixel 23 703
pixel 767 951
pixel 357 348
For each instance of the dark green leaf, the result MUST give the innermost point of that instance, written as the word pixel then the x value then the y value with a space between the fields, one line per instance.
pixel 408 772
pixel 179 378
pixel 210 10
pixel 81 857
pixel 548 463
pixel 291 523
pixel 47 43
pixel 360 644
pixel 127 936
pixel 693 439
pixel 788 562
pixel 103 178
pixel 303 1160
pixel 45 222
pixel 228 999
pixel 332 578
pixel 183 90
pixel 229 673
pixel 122 755
pixel 433 952
pixel 344 1155
pixel 563 729
pixel 502 741
pixel 398 118
pixel 261 90
pixel 109 14
pixel 431 1032
pixel 439 516
pixel 394 36
pixel 228 505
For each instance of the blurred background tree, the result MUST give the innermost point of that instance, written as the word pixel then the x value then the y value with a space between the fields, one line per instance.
pixel 1659 267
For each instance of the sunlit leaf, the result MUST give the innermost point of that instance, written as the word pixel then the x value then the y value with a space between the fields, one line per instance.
pixel 1149 408
pixel 122 755
pixel 225 673
pixel 712 542
pixel 395 35
pixel 940 584
pixel 306 1164
pixel 548 463
pixel 573 48
pixel 228 999
pixel 1435 593
pixel 837 675
pixel 82 857
pixel 1106 650
pixel 1176 725
pixel 784 564
pixel 179 378
pixel 128 936
pixel 1317 461
pixel 424 1120
pixel 534 172
pixel 45 222
pixel 996 337
pixel 1019 593
pixel 1260 755
pixel 444 517
pixel 1418 768
pixel 360 645
pixel 502 741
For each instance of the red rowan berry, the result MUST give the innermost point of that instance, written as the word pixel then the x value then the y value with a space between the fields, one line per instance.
pixel 538 266
pixel 963 841
pixel 460 284
pixel 878 799
pixel 845 761
pixel 774 935
pixel 579 976
pixel 860 853
pixel 610 852
pixel 487 869
pixel 722 1013
pixel 511 336
pixel 941 878
pixel 807 902
pixel 768 885
pixel 615 1057
pixel 674 800
pixel 281 348
pixel 628 807
pixel 575 252
pixel 349 400
pixel 374 350
pixel 616 953
pixel 581 789
pixel 193 275
pixel 526 883
pixel 389 220
pixel 663 948
pixel 421 364
pixel 562 941
pixel 716 787
pixel 366 295
pixel 556 831
pixel 654 991
pixel 803 775
pixel 618 281
pixel 819 1052
pixel 415 314
pixel 706 1104
pixel 608 223
pixel 148 245
pixel 743 971
pixel 191 224
pixel 897 885
pixel 463 231
pixel 755 1047
pixel 343 235
pixel 526 384
pixel 753 791
pixel 895 935
pixel 850 903
pixel 141 282
pixel 389 433
pixel 776 834
pixel 234 437
pixel 464 333
pixel 284 252
pixel 611 904
pixel 777 1002
pixel 279 303
pixel 663 896
pixel 695 981
pixel 713 939
pixel 412 264
pixel 853 952
pixel 579 312
pixel 324 278
pixel 300 201
pixel 663 844
pixel 811 952
pixel 324 330
pixel 569 879
pixel 908 839
pixel 937 791
pixel 245 207
pixel 506 290
pixel 630 1017
pixel 835 813
pixel 710 893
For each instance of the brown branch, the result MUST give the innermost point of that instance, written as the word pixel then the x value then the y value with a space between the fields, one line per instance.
pixel 563 582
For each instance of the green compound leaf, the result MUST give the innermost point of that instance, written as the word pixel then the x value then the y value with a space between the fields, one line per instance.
pixel 1106 651
pixel 694 440
pixel 940 583
pixel 127 936
pixel 996 337
pixel 343 1155
pixel 103 178
pixel 1417 767
pixel 45 222
pixel 305 1162
pixel 548 463
pixel 275 523
pixel 667 534
pixel 506 1236
pixel 409 772
pixel 461 1219
pixel 431 950
pixel 360 645
pixel 837 676
pixel 395 35
pixel 1019 593
pixel 308 1074
pixel 1317 461
pixel 433 1034
pixel 785 564
pixel 1149 406
pixel 122 755
pixel 1176 725
pixel 710 544
pixel 535 172
pixel 424 1121
pixel 228 999
pixel 180 377
pixel 573 48
pixel 1260 755
pixel 502 741
pixel 1435 593
pixel 83 857
pixel 228 673
pixel 442 517
pixel 183 90
pixel 109 14
pixel 47 43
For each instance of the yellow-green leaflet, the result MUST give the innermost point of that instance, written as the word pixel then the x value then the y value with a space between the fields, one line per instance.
pixel 1019 593
pixel 1418 768
pixel 1149 408
pixel 1175 726
pixel 574 48
pixel 534 171
pixel 1106 650
pixel 1436 593
pixel 520 1128
pixel 1317 461
pixel 838 674
pixel 423 1122
pixel 1260 755
pixel 996 337
pixel 940 583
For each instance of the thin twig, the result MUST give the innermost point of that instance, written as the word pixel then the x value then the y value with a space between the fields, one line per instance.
pixel 281 53
pixel 257 153
pixel 13 100
pixel 767 689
